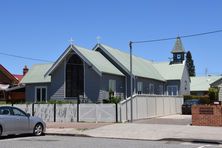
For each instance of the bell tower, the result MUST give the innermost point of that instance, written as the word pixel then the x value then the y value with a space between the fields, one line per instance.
pixel 178 52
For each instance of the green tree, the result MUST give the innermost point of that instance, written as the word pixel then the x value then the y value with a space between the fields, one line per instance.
pixel 190 64
pixel 213 94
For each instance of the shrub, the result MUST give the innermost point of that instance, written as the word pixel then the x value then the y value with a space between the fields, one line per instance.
pixel 114 100
pixel 213 94
pixel 203 99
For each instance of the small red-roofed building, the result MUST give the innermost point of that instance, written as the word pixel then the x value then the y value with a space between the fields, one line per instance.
pixel 10 88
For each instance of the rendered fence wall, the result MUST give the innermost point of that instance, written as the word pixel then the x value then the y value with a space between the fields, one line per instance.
pixel 68 112
pixel 145 106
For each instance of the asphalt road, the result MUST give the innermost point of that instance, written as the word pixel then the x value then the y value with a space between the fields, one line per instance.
pixel 86 142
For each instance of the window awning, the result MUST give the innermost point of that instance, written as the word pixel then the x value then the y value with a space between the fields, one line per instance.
pixel 4 86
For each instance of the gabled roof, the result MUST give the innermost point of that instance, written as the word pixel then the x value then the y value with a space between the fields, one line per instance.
pixel 93 58
pixel 178 47
pixel 202 83
pixel 36 74
pixel 140 66
pixel 8 74
pixel 217 83
pixel 170 71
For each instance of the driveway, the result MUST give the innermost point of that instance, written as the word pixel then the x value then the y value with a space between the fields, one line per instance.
pixel 171 119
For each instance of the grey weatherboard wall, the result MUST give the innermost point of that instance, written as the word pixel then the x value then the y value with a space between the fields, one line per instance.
pixel 57 83
pixel 30 91
pixel 146 82
pixel 120 85
pixel 185 82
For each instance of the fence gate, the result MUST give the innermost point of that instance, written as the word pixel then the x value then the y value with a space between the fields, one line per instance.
pixel 97 112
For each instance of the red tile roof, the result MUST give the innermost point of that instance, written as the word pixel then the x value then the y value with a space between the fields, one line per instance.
pixel 18 77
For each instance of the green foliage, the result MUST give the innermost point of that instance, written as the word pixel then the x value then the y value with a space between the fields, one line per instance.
pixel 2 102
pixel 213 94
pixel 203 99
pixel 114 100
pixel 58 102
pixel 190 64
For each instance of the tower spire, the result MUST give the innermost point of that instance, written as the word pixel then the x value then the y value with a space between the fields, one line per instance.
pixel 178 52
pixel 178 46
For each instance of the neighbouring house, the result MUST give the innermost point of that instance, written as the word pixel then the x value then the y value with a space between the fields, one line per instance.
pixel 93 74
pixel 218 84
pixel 10 89
pixel 200 85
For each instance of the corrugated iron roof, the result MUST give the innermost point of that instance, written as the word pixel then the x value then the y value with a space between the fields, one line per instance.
pixel 36 74
pixel 140 66
pixel 99 61
pixel 170 71
pixel 202 83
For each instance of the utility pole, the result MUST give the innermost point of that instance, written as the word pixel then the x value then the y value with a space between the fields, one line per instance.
pixel 131 82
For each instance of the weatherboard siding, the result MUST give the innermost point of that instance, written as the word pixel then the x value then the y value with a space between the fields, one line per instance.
pixel 30 91
pixel 120 86
pixel 57 83
pixel 146 85
pixel 185 83
pixel 92 84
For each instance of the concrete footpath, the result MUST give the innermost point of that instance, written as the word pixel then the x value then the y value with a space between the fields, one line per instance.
pixel 144 132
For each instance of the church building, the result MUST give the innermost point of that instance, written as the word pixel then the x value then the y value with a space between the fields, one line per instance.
pixel 92 74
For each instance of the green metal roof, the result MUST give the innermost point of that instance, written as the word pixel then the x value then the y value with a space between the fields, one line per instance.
pixel 170 71
pixel 36 74
pixel 202 83
pixel 140 66
pixel 178 47
pixel 99 61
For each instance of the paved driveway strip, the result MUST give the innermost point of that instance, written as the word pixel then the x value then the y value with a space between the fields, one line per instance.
pixel 157 132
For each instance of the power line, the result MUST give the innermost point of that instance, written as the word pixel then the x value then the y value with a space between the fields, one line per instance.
pixel 131 42
pixel 21 57
pixel 183 36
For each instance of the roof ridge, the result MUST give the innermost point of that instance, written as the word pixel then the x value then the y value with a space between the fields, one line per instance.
pixel 127 53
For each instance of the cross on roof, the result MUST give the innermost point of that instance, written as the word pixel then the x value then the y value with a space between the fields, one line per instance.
pixel 71 41
pixel 98 39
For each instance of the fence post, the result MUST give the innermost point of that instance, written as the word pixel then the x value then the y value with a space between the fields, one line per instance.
pixel 78 102
pixel 54 112
pixel 96 113
pixel 33 110
pixel 116 112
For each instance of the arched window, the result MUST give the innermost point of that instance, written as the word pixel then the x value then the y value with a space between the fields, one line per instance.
pixel 74 77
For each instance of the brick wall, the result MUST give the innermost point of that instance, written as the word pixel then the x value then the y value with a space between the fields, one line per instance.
pixel 207 115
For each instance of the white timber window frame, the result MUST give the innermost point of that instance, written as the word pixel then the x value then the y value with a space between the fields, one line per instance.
pixel 172 90
pixel 112 86
pixel 42 97
pixel 139 87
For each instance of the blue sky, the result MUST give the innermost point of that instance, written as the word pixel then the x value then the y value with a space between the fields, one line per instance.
pixel 41 29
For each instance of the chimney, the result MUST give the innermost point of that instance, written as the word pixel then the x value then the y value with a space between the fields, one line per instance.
pixel 25 70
